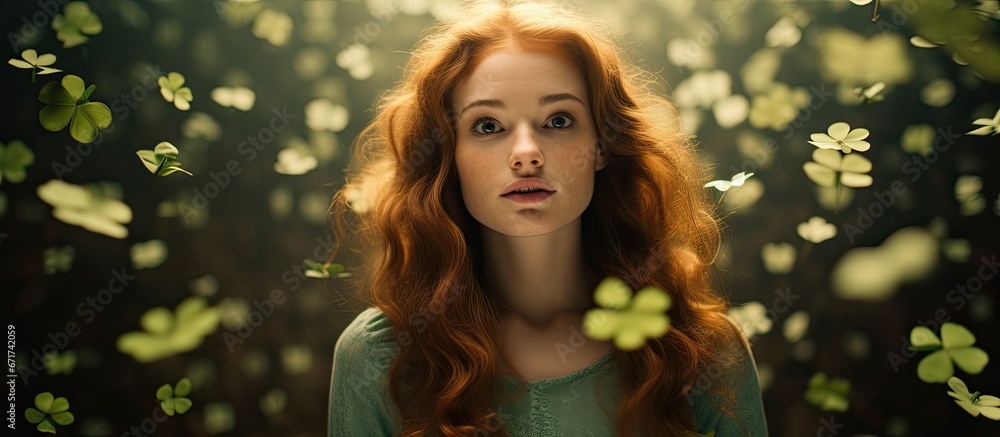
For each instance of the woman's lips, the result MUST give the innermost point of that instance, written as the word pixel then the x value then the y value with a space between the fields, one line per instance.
pixel 534 197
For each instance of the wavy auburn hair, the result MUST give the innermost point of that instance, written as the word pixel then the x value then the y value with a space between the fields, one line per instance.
pixel 650 223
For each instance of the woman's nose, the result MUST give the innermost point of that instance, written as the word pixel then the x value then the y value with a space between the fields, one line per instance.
pixel 526 148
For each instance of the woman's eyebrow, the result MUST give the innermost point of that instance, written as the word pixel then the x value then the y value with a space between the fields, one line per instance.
pixel 545 100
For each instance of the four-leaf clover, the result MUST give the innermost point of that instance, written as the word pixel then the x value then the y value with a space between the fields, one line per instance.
pixel 167 333
pixel 13 160
pixel 67 104
pixel 173 90
pixel 955 345
pixel 627 319
pixel 974 403
pixel 48 411
pixel 77 21
pixel 173 400
pixel 37 64
pixel 842 137
pixel 162 159
pixel 829 168
pixel 816 230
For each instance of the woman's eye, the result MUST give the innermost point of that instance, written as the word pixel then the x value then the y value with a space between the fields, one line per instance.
pixel 484 126
pixel 561 121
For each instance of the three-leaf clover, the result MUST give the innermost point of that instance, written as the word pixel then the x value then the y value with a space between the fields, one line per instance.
pixel 37 64
pixel 173 400
pixel 77 21
pixel 842 137
pixel 95 207
pixel 167 333
pixel 13 160
pixel 816 230
pixel 955 345
pixel 829 394
pixel 829 168
pixel 67 104
pixel 162 159
pixel 315 269
pixel 628 320
pixel 49 411
pixel 723 185
pixel 173 90
pixel 974 403
pixel 990 127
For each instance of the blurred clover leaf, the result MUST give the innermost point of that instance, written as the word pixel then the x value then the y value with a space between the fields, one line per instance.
pixel 173 400
pixel 49 411
pixel 166 334
pixel 829 394
pixel 67 101
pixel 319 270
pixel 974 403
pixel 816 230
pixel 37 64
pixel 871 94
pixel 14 158
pixel 829 168
pixel 95 207
pixel 735 181
pixel 955 345
pixel 173 90
pixel 161 160
pixel 76 20
pixel 629 320
pixel 990 127
pixel 58 259
pixel 56 363
pixel 841 137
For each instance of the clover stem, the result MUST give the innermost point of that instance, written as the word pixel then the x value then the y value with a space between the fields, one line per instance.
pixel 975 397
pixel 804 252
pixel 33 69
pixel 836 200
pixel 875 13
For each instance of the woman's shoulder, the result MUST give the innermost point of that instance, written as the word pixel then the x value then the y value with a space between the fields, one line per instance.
pixel 369 337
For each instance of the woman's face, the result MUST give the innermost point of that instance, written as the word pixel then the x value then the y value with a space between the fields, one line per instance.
pixel 523 114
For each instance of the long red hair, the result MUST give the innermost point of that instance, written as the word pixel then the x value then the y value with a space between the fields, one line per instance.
pixel 650 223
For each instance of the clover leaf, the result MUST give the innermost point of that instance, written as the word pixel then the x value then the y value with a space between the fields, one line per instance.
pixel 58 259
pixel 628 320
pixel 319 270
pixel 955 345
pixel 162 159
pixel 173 90
pixel 724 185
pixel 49 411
pixel 95 207
pixel 871 94
pixel 989 126
pixel 829 394
pixel 974 403
pixel 816 230
pixel 77 21
pixel 166 334
pixel 173 400
pixel 56 363
pixel 37 64
pixel 842 137
pixel 13 160
pixel 67 104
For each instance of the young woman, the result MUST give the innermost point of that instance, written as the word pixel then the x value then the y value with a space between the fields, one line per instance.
pixel 478 290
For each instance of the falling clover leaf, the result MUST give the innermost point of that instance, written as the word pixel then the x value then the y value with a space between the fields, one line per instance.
pixel 77 21
pixel 871 94
pixel 37 64
pixel 49 411
pixel 955 345
pixel 56 363
pixel 173 90
pixel 724 185
pixel 13 160
pixel 315 269
pixel 816 230
pixel 95 207
pixel 829 394
pixel 974 403
pixel 67 101
pixel 173 400
pixel 829 169
pixel 165 334
pixel 630 321
pixel 991 127
pixel 161 160
pixel 842 137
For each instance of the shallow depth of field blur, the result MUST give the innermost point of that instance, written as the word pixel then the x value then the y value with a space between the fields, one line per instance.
pixel 871 216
